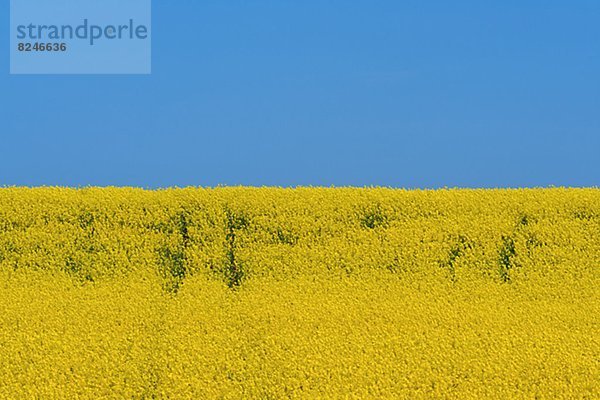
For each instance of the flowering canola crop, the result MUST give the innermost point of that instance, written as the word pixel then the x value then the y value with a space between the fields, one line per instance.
pixel 299 293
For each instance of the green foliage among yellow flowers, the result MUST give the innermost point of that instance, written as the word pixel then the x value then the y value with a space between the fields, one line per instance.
pixel 299 293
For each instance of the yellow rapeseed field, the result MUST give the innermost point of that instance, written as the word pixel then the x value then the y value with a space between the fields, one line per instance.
pixel 307 293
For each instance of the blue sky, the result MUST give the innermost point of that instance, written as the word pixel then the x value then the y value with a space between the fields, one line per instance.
pixel 389 93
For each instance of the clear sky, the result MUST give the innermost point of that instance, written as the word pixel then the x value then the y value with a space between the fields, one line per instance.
pixel 322 92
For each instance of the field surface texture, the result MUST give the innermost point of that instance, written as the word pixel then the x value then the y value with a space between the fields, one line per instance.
pixel 299 293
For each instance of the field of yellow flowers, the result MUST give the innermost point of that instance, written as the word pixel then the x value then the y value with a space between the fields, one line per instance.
pixel 274 293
